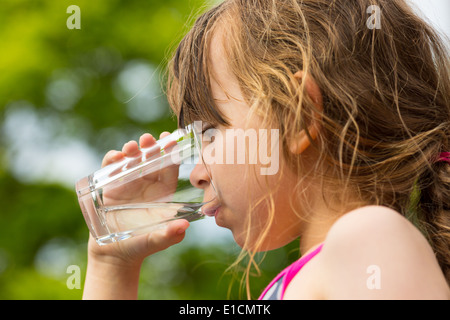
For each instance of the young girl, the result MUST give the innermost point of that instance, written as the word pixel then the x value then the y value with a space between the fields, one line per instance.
pixel 363 113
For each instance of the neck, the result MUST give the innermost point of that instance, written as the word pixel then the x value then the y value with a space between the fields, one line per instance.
pixel 319 221
pixel 314 234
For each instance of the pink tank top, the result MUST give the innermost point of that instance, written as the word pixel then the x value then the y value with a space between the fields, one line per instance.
pixel 276 288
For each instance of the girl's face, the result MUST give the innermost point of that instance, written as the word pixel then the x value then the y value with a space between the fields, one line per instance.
pixel 241 185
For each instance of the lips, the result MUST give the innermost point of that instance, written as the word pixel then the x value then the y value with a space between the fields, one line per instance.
pixel 212 210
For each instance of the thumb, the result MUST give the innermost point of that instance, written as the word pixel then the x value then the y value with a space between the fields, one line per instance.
pixel 174 233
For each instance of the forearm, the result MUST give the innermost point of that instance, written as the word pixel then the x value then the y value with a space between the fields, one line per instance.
pixel 113 270
pixel 108 281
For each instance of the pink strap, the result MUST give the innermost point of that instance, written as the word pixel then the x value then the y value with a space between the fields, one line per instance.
pixel 290 272
pixel 272 283
pixel 296 267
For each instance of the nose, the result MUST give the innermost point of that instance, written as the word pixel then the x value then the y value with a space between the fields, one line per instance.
pixel 199 176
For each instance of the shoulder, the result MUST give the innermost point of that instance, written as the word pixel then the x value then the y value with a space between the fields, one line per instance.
pixel 371 220
pixel 375 253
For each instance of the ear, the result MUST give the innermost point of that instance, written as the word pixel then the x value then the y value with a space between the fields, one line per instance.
pixel 301 140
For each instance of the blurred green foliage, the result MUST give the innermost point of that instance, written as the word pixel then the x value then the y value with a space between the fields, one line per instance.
pixel 93 88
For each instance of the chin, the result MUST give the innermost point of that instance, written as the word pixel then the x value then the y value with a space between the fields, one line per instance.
pixel 254 244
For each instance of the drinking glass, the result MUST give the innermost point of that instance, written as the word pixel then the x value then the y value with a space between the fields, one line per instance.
pixel 141 194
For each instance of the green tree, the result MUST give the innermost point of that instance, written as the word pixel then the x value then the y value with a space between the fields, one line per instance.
pixel 67 96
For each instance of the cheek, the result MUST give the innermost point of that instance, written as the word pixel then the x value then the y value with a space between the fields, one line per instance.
pixel 272 218
pixel 241 187
pixel 240 196
pixel 231 185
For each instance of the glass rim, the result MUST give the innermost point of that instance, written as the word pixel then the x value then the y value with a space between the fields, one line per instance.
pixel 182 132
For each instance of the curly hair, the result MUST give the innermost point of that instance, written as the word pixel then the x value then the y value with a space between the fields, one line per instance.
pixel 386 92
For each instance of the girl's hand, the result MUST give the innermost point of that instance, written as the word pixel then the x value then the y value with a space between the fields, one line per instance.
pixel 151 186
pixel 113 270
pixel 134 250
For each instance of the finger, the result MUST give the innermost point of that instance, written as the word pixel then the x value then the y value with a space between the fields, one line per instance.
pixel 168 147
pixel 152 149
pixel 146 140
pixel 111 157
pixel 170 143
pixel 148 146
pixel 164 134
pixel 169 173
pixel 176 227
pixel 172 234
pixel 131 149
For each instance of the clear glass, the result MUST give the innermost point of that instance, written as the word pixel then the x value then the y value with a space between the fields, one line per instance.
pixel 139 195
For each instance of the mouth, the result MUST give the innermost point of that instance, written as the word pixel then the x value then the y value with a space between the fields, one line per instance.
pixel 211 211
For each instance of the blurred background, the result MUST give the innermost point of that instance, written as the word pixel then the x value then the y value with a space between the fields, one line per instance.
pixel 67 96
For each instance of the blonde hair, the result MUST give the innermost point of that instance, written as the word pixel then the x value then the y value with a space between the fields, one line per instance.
pixel 386 111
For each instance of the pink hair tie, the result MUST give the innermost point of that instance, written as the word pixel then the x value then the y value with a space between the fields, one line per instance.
pixel 444 156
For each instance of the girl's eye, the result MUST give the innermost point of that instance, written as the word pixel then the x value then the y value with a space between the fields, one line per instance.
pixel 206 129
pixel 208 134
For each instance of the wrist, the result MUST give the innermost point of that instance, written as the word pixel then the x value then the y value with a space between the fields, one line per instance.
pixel 114 261
pixel 111 278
